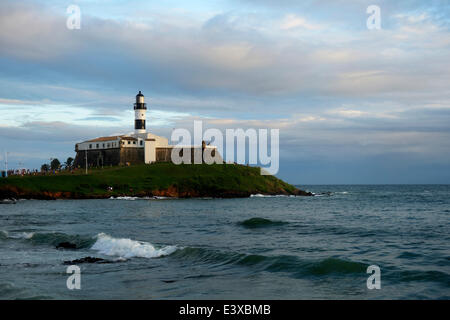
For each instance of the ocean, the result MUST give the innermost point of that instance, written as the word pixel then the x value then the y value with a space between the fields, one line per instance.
pixel 261 247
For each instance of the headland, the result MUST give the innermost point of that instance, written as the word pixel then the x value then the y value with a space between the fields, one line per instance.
pixel 149 180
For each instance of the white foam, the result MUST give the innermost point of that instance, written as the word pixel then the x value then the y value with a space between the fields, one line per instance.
pixel 139 198
pixel 22 235
pixel 127 248
pixel 259 195
pixel 124 198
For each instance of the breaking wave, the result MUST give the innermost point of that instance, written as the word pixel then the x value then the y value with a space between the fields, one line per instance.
pixel 102 243
pixel 3 235
pixel 282 263
pixel 17 235
pixel 127 248
pixel 260 223
pixel 23 235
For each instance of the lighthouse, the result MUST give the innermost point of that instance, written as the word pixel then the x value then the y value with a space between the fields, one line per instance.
pixel 140 108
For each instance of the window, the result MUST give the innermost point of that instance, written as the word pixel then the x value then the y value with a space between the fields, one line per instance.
pixel 142 142
pixel 103 145
pixel 129 141
pixel 90 146
pixel 108 145
pixel 97 146
pixel 134 142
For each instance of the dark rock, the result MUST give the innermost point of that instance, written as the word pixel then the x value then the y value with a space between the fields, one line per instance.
pixel 327 193
pixel 88 260
pixel 299 192
pixel 66 245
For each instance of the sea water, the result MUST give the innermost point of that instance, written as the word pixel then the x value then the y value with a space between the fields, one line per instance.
pixel 252 248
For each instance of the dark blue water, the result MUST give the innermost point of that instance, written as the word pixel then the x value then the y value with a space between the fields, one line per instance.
pixel 256 248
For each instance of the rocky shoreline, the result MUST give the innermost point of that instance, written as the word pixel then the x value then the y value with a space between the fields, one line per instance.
pixel 12 192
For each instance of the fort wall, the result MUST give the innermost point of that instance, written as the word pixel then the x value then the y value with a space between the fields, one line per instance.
pixel 109 157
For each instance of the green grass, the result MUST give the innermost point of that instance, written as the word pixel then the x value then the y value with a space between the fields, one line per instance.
pixel 202 179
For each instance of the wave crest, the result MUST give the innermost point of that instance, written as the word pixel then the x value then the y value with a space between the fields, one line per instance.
pixel 127 248
pixel 3 234
pixel 260 223
pixel 281 263
pixel 334 265
pixel 57 238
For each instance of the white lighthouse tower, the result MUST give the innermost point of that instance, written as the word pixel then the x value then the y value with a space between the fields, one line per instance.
pixel 140 108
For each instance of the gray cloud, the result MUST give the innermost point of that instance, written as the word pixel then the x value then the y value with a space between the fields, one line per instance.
pixel 335 89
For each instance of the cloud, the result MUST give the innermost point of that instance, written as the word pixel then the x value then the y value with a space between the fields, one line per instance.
pixel 292 21
pixel 312 69
pixel 229 53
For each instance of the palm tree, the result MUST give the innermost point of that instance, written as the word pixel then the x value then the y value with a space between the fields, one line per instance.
pixel 68 163
pixel 55 164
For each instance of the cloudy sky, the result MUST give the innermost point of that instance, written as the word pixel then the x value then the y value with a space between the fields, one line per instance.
pixel 353 105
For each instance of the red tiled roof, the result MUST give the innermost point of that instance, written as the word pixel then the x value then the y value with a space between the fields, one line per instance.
pixel 104 139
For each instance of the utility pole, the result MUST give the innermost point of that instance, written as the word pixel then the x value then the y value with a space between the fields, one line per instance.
pixel 21 167
pixel 86 161
pixel 6 162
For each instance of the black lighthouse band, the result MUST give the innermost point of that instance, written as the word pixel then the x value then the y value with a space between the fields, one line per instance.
pixel 139 124
pixel 140 106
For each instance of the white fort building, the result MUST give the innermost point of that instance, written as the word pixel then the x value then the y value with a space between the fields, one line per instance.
pixel 139 147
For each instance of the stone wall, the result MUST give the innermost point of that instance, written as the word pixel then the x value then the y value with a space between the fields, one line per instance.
pixel 122 156
pixel 131 155
pixel 165 154
pixel 109 157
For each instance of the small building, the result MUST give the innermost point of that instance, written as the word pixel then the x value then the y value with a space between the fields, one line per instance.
pixel 140 147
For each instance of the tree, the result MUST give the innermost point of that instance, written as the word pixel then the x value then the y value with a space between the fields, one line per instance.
pixel 45 167
pixel 55 164
pixel 69 162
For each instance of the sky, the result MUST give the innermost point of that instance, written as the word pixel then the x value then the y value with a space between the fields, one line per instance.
pixel 353 105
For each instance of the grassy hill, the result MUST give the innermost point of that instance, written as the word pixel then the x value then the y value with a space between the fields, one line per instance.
pixel 159 179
